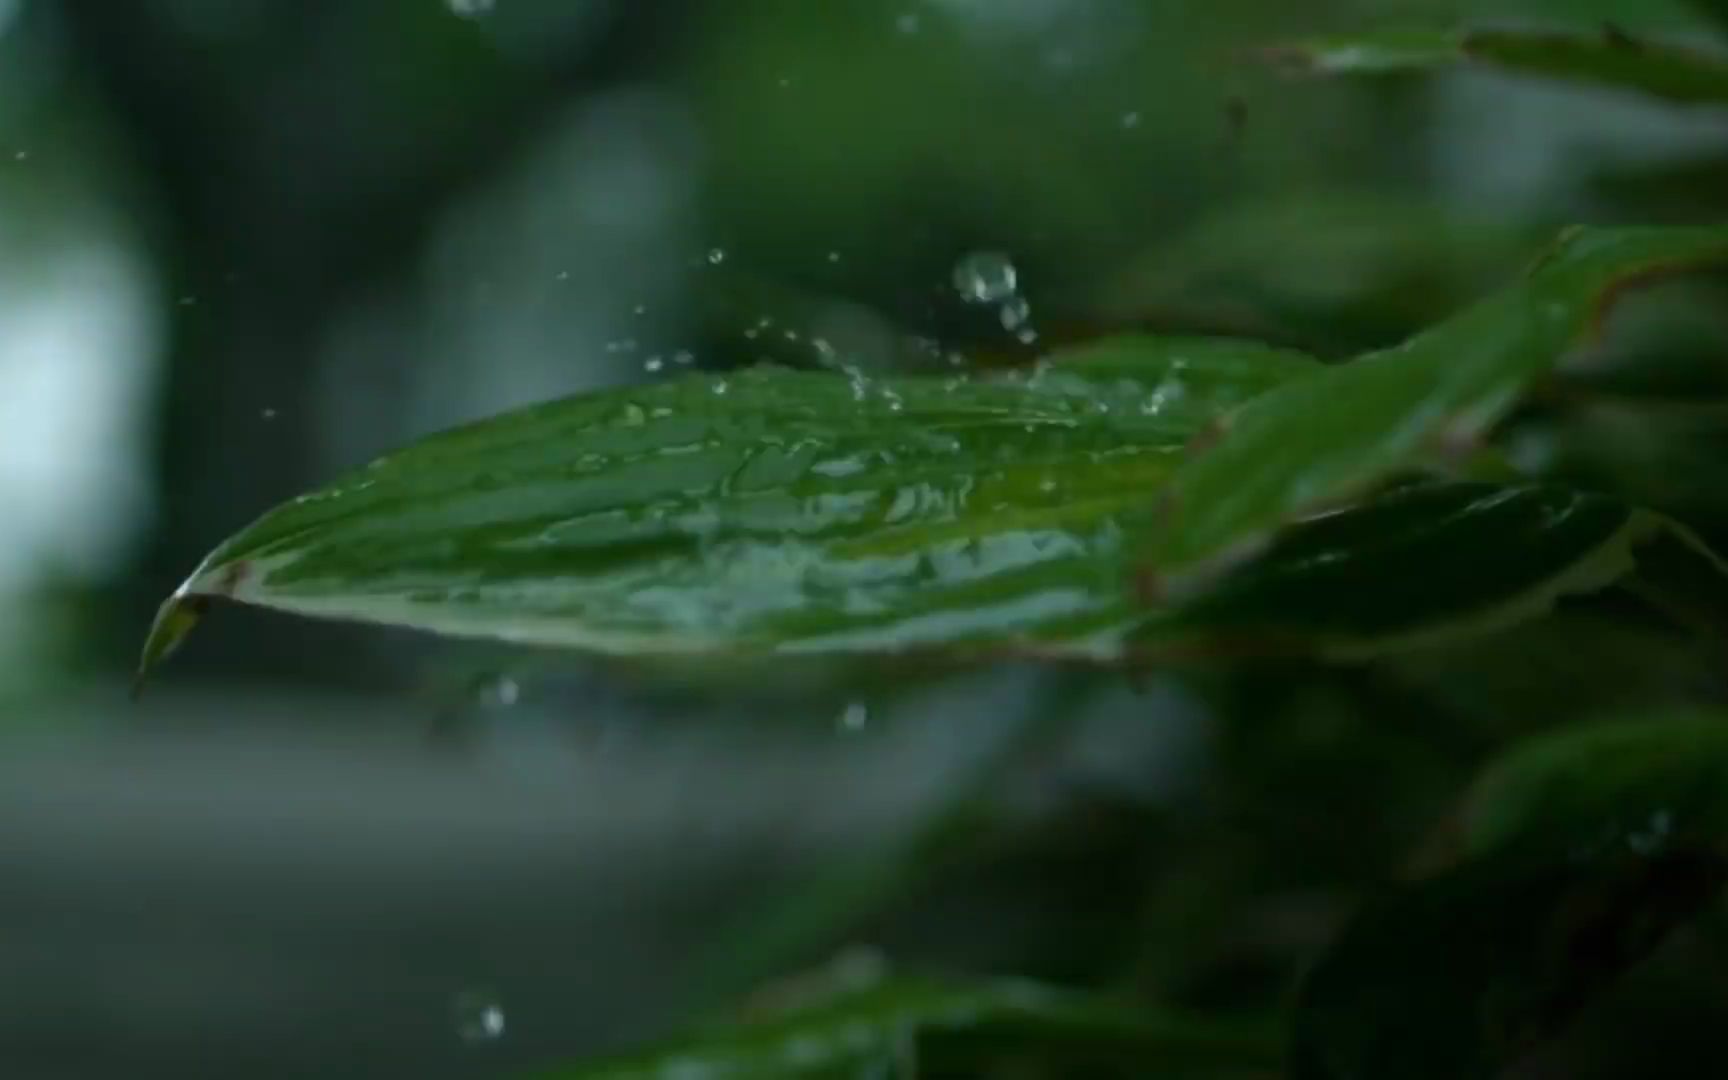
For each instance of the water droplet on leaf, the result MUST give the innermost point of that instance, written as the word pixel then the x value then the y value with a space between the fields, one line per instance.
pixel 984 277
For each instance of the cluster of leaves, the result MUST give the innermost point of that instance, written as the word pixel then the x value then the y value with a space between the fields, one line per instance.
pixel 1137 499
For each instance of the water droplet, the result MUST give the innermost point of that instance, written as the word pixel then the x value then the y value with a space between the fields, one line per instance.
pixel 625 345
pixel 1026 335
pixel 908 23
pixel 684 357
pixel 1047 485
pixel 1015 312
pixel 720 386
pixel 21 155
pixel 751 333
pixel 716 256
pixel 471 9
pixel 984 277
pixel 562 275
pixel 833 256
pixel 479 1016
pixel 790 335
pixel 267 414
pixel 634 415
pixel 639 309
pixel 1130 120
pixel 188 301
pixel 497 691
pixel 854 717
pixel 653 364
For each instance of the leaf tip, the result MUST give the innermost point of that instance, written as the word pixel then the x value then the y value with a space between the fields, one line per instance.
pixel 174 620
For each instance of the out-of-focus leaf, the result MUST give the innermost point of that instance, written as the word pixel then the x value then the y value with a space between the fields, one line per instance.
pixel 1611 58
pixel 1454 977
pixel 764 510
pixel 1336 273
pixel 1586 847
pixel 858 1032
pixel 1322 440
pixel 1655 783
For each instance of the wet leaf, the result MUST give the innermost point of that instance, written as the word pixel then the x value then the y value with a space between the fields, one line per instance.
pixel 1586 848
pixel 857 1032
pixel 1611 58
pixel 1321 441
pixel 763 510
pixel 1417 565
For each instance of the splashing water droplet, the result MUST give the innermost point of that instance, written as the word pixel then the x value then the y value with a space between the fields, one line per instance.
pixel 985 277
pixel 498 691
pixel 716 256
pixel 479 1016
pixel 471 9
pixel 854 717
pixel 1130 120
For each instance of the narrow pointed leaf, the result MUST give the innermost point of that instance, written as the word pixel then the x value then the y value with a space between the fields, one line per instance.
pixel 1321 441
pixel 1417 565
pixel 956 1023
pixel 766 510
pixel 1611 59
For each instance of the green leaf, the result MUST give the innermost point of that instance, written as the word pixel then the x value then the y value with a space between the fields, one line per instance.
pixel 1586 847
pixel 1655 783
pixel 1420 564
pixel 763 510
pixel 1321 441
pixel 874 1026
pixel 1612 58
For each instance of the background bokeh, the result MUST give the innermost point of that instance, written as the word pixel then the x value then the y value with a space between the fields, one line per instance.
pixel 245 244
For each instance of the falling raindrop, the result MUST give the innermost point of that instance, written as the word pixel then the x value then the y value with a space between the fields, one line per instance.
pixel 562 275
pixel 471 9
pixel 984 277
pixel 1130 120
pixel 833 256
pixel 479 1016
pixel 716 256
pixel 653 364
pixel 21 155
pixel 908 23
pixel 640 309
pixel 267 414
pixel 683 358
pixel 497 691
pixel 854 717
